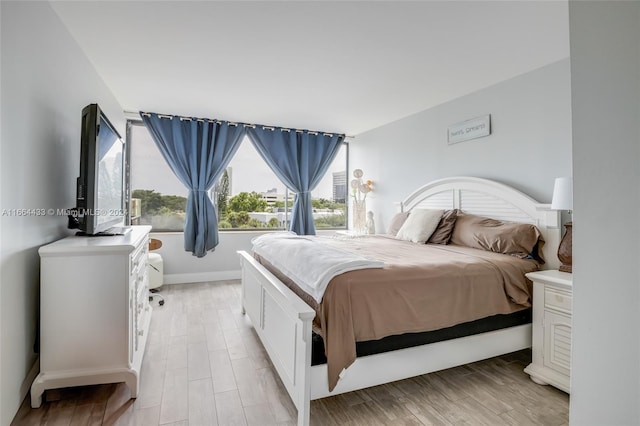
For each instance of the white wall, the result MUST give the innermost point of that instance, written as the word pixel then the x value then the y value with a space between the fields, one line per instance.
pixel 529 145
pixel 46 80
pixel 605 76
pixel 222 264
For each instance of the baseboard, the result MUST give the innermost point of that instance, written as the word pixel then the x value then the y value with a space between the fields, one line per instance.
pixel 198 277
pixel 31 376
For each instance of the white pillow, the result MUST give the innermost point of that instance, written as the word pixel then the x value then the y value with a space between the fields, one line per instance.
pixel 420 225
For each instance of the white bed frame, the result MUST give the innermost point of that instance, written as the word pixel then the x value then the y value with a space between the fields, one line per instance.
pixel 283 321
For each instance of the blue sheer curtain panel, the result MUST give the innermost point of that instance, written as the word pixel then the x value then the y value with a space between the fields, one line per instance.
pixel 299 159
pixel 197 151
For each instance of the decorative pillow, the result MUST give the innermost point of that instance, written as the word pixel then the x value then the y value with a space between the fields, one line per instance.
pixel 516 239
pixel 419 225
pixel 397 222
pixel 442 234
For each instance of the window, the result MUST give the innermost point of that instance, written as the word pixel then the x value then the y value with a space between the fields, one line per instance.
pixel 158 198
pixel 330 198
pixel 247 196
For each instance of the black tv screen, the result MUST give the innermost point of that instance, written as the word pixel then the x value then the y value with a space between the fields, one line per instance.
pixel 100 187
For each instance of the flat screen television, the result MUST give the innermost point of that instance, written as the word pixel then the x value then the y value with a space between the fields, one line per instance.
pixel 100 191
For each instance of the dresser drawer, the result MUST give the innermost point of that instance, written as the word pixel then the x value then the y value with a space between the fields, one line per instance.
pixel 138 258
pixel 558 300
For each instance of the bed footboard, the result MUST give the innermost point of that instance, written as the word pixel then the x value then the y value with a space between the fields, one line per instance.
pixel 283 323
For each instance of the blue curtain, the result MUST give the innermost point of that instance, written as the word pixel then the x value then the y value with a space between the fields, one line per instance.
pixel 198 151
pixel 299 159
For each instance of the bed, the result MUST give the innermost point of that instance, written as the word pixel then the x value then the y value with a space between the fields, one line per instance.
pixel 284 321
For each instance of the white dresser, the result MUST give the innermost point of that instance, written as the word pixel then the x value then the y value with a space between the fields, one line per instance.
pixel 94 311
pixel 551 346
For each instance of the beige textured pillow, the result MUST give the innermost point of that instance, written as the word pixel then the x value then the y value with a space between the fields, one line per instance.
pixel 419 225
pixel 443 232
pixel 397 222
pixel 515 239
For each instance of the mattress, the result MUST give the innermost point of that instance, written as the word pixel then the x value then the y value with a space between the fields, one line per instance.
pixel 409 340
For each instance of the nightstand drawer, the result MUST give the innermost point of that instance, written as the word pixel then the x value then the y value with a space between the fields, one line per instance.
pixel 558 299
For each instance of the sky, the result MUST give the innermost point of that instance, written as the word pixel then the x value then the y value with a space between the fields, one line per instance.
pixel 249 171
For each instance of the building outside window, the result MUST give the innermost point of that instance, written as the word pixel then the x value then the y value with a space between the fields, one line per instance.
pixel 248 195
pixel 340 186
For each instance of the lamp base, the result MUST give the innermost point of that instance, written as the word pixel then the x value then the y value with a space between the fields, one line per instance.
pixel 565 249
pixel 565 268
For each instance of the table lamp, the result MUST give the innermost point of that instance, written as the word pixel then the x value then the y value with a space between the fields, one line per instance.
pixel 563 200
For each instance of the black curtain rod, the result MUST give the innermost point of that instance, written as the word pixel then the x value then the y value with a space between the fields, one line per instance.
pixel 231 123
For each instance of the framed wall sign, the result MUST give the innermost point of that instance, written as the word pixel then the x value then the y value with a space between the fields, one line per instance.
pixel 470 129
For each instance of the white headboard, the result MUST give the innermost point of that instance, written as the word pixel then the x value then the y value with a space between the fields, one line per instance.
pixel 488 198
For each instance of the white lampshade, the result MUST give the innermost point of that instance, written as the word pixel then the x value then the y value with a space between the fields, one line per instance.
pixel 562 194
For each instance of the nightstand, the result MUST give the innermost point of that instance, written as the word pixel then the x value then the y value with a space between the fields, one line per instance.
pixel 551 345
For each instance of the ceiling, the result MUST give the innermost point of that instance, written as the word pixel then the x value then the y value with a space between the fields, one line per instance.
pixel 334 66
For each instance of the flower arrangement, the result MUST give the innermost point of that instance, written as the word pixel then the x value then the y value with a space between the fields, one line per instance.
pixel 359 190
pixel 359 187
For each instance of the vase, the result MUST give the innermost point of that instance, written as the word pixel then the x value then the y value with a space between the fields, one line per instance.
pixel 359 217
pixel 565 248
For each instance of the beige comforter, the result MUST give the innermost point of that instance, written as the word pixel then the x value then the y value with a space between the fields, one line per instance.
pixel 422 287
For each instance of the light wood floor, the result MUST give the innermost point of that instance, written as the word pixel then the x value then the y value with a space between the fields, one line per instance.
pixel 205 366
